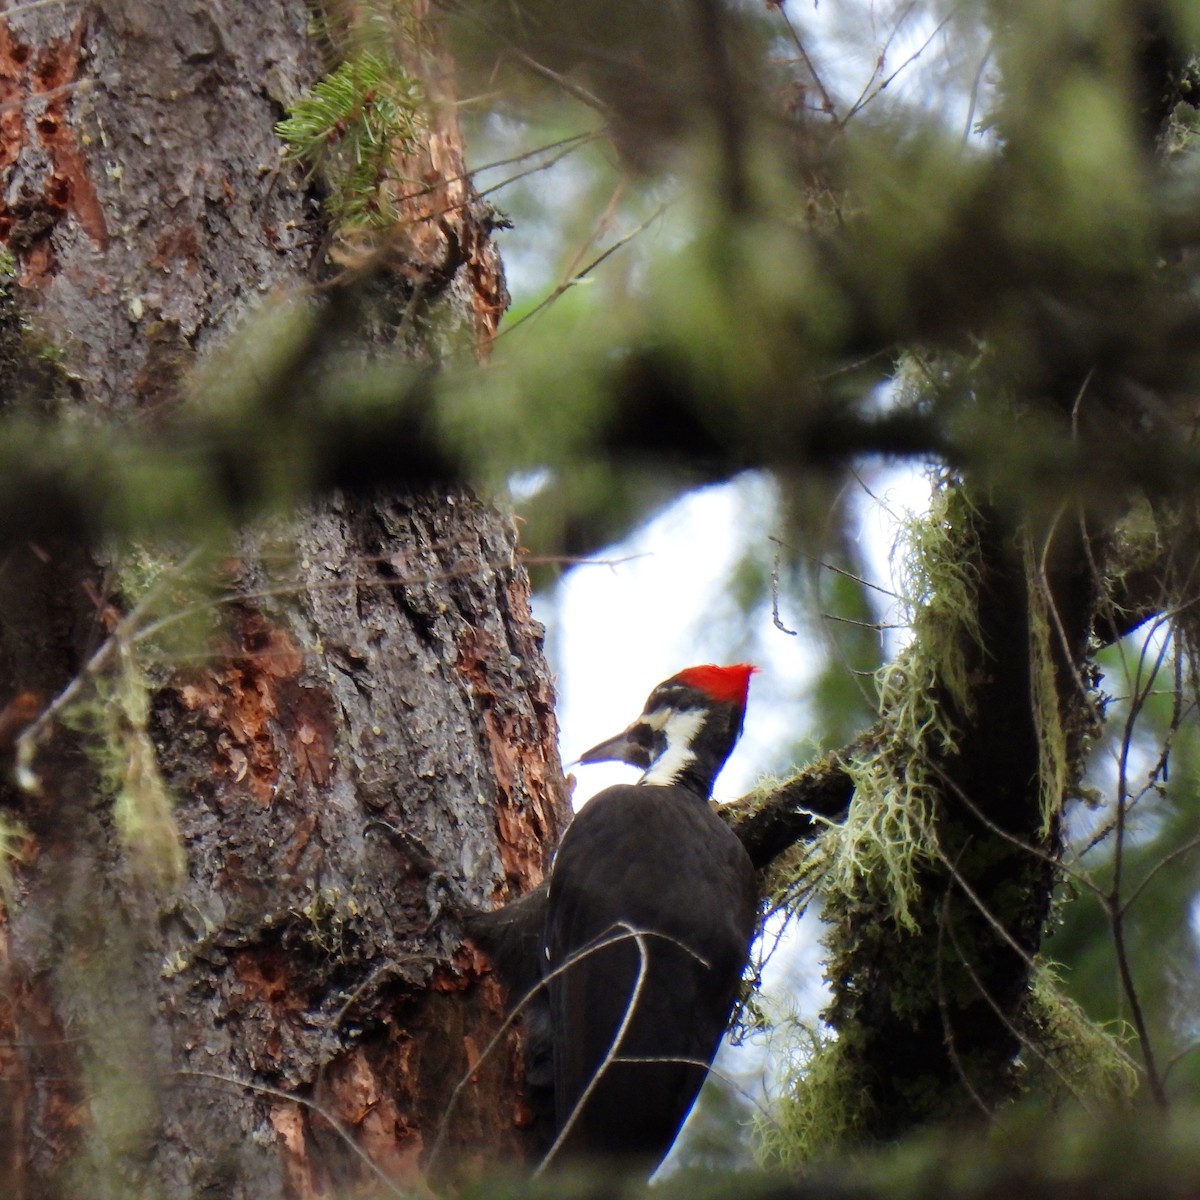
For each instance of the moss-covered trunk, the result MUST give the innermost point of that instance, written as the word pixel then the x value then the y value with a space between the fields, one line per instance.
pixel 944 876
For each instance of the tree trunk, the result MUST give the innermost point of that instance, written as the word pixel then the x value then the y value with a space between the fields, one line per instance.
pixel 932 1009
pixel 369 739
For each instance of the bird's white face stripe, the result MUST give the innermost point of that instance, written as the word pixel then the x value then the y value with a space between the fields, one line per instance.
pixel 680 729
pixel 656 719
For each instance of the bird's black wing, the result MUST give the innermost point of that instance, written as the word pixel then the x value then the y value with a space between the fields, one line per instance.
pixel 659 861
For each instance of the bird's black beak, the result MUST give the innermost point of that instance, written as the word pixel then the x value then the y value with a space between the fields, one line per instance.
pixel 631 746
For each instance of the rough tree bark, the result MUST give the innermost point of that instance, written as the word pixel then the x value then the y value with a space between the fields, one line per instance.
pixel 368 745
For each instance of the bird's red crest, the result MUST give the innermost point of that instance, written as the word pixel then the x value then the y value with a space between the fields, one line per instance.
pixel 728 685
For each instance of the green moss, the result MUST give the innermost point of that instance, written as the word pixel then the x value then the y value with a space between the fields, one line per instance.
pixel 141 570
pixel 1181 137
pixel 897 924
pixel 178 601
pixel 143 810
pixel 33 374
pixel 1136 546
pixel 327 919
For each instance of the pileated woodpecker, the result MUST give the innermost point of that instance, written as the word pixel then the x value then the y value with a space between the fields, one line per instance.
pixel 651 909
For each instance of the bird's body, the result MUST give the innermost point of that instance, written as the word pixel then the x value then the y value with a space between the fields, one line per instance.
pixel 650 912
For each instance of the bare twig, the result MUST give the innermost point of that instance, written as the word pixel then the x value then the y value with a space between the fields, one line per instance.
pixel 627 1017
pixel 567 284
pixel 1116 909
pixel 876 626
pixel 568 147
pixel 776 619
pixel 826 99
pixel 728 1080
pixel 864 99
pixel 881 58
pixel 999 831
pixel 835 569
pixel 976 86
pixel 575 90
pixel 1022 1037
pixel 1179 1056
pixel 627 933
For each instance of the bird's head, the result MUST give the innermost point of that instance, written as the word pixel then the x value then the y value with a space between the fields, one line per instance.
pixel 687 729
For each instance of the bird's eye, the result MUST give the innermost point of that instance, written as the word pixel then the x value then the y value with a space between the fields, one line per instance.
pixel 642 734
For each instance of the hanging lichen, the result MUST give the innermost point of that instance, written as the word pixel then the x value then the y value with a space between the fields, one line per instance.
pixel 915 939
pixel 112 712
pixel 875 858
pixel 1053 763
pixel 13 839
pixel 878 849
pixel 1068 1054
pixel 825 1101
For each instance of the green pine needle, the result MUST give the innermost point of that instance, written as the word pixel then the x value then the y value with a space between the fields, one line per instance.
pixel 349 127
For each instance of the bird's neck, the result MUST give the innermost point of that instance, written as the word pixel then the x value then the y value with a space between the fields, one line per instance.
pixel 686 760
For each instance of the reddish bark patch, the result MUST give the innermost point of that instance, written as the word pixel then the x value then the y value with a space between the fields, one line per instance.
pixel 289 1122
pixel 489 294
pixel 13 57
pixel 440 228
pixel 268 994
pixel 16 716
pixel 465 969
pixel 301 836
pixel 262 975
pixel 313 732
pixel 39 1071
pixel 524 764
pixel 265 720
pixel 367 1104
pixel 35 94
pixel 177 245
